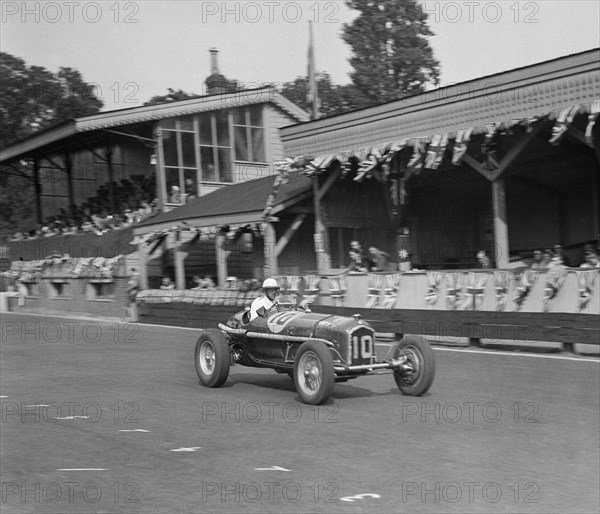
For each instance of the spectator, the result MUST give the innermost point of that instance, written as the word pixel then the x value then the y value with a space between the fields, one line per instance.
pixel 167 283
pixel 358 262
pixel 379 259
pixel 591 260
pixel 133 285
pixel 559 253
pixel 546 258
pixel 538 260
pixel 483 259
pixel 175 196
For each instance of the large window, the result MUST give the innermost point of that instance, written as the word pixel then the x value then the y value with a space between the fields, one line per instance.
pixel 249 134
pixel 180 159
pixel 215 147
pixel 204 147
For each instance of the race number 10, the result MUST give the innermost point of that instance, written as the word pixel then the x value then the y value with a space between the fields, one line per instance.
pixel 362 348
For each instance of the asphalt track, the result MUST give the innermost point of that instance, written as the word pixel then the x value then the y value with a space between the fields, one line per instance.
pixel 107 417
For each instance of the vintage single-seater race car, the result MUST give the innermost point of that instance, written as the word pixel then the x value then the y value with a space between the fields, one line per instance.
pixel 315 350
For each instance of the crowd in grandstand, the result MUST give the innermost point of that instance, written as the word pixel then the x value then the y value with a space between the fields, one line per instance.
pixel 133 198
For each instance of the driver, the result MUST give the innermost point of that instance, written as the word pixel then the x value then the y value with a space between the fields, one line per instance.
pixel 263 305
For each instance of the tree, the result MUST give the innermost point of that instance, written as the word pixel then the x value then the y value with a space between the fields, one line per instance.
pixel 391 54
pixel 333 98
pixel 171 96
pixel 33 98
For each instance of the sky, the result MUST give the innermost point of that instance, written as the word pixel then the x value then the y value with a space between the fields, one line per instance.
pixel 133 50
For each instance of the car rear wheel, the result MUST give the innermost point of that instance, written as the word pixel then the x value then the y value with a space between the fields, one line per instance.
pixel 313 372
pixel 212 358
pixel 415 377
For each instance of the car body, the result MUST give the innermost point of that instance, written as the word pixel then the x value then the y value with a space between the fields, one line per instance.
pixel 315 350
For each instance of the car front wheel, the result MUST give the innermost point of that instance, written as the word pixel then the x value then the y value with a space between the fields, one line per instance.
pixel 416 375
pixel 212 358
pixel 313 372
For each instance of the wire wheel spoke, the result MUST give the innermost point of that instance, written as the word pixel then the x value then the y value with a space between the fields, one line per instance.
pixel 207 358
pixel 311 371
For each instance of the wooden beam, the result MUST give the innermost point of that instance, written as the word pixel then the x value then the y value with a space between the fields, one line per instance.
pixel 517 149
pixel 289 233
pixel 331 178
pixel 579 135
pixel 285 206
pixel 476 165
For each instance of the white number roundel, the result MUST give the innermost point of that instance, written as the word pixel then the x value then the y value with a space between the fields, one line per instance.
pixel 278 321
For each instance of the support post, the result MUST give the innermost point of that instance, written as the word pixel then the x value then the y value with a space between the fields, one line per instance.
pixel 143 263
pixel 271 267
pixel 321 237
pixel 38 190
pixel 71 190
pixel 111 180
pixel 500 223
pixel 221 258
pixel 179 257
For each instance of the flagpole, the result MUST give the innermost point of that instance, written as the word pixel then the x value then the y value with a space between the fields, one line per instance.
pixel 312 96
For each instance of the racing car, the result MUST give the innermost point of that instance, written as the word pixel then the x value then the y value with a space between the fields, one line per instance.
pixel 315 350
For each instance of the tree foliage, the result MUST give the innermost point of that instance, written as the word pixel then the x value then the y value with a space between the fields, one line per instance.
pixel 172 96
pixel 33 98
pixel 391 55
pixel 333 98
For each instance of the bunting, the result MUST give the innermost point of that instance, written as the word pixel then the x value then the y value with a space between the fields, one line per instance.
pixel 391 288
pixel 461 144
pixel 555 278
pixel 592 117
pixel 434 278
pixel 490 146
pixel 586 280
pixel 565 118
pixel 374 284
pixel 311 288
pixel 415 165
pixel 453 291
pixel 475 290
pixel 337 290
pixel 501 284
pixel 525 281
pixel 435 152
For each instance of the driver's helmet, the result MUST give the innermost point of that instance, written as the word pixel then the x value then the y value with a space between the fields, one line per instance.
pixel 270 284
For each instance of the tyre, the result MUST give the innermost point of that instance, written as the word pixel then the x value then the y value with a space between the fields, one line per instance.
pixel 212 358
pixel 416 380
pixel 313 372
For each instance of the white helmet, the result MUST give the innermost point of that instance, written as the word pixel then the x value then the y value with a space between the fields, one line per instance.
pixel 270 283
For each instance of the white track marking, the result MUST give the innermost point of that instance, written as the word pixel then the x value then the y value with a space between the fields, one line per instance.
pixel 361 496
pixel 81 469
pixel 191 449
pixel 37 405
pixel 3 396
pixel 491 351
pixel 134 430
pixel 73 417
pixel 272 468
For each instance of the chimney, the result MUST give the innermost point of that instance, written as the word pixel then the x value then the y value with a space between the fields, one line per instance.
pixel 214 65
